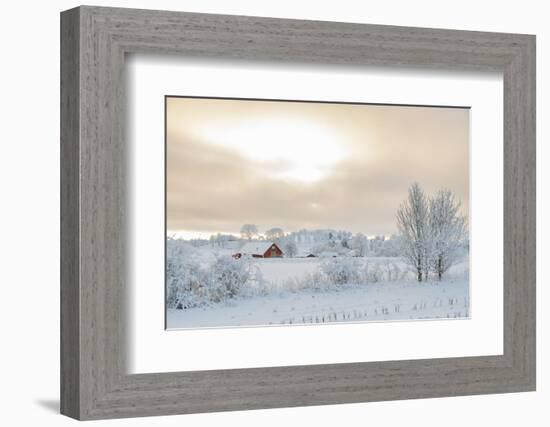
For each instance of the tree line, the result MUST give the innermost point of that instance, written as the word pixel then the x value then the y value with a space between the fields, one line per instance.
pixel 432 235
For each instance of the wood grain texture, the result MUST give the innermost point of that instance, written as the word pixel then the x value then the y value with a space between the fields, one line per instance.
pixel 94 196
pixel 70 292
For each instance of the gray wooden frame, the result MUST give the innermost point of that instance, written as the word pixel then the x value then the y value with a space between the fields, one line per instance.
pixel 94 41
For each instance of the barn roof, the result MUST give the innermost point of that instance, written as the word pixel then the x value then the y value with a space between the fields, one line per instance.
pixel 256 248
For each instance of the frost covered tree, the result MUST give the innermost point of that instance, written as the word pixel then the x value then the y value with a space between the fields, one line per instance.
pixel 391 246
pixel 448 231
pixel 432 232
pixel 360 244
pixel 331 241
pixel 414 233
pixel 248 231
pixel 290 249
pixel 345 242
pixel 274 233
pixel 376 245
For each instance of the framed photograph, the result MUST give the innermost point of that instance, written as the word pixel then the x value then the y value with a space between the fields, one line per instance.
pixel 262 213
pixel 298 212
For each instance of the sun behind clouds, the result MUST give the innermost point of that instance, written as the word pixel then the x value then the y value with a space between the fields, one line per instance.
pixel 303 151
pixel 295 164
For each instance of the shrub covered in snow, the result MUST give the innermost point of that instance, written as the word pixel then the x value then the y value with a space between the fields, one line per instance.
pixel 312 281
pixel 227 277
pixel 184 276
pixel 349 271
pixel 191 282
pixel 341 271
pixel 384 271
pixel 338 272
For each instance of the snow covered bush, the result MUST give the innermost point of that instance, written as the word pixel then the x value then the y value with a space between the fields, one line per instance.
pixel 382 271
pixel 192 282
pixel 337 272
pixel 315 281
pixel 341 271
pixel 371 273
pixel 184 275
pixel 227 277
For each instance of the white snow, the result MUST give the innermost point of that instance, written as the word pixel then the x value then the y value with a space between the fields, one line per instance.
pixel 385 301
pixel 278 270
pixel 282 303
pixel 278 291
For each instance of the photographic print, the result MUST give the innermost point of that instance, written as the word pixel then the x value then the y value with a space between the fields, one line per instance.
pixel 285 212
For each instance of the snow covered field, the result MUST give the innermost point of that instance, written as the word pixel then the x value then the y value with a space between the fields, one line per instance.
pixel 375 302
pixel 284 303
pixel 277 271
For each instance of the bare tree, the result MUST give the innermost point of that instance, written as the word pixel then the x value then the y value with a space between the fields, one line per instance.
pixel 274 233
pixel 413 226
pixel 448 231
pixel 360 244
pixel 248 231
pixel 291 249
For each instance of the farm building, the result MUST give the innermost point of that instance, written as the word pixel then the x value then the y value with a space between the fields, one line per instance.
pixel 305 253
pixel 328 254
pixel 265 249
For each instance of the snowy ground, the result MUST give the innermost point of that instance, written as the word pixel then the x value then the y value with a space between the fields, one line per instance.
pixel 400 300
pixel 277 271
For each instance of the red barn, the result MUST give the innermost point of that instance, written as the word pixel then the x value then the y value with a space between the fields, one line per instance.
pixel 260 249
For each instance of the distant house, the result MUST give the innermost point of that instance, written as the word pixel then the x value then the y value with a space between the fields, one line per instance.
pixel 305 252
pixel 328 254
pixel 265 249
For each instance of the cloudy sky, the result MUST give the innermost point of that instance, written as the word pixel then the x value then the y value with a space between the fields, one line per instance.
pixel 301 165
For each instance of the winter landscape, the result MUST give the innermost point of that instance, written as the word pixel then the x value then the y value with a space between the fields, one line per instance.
pixel 286 235
pixel 323 276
